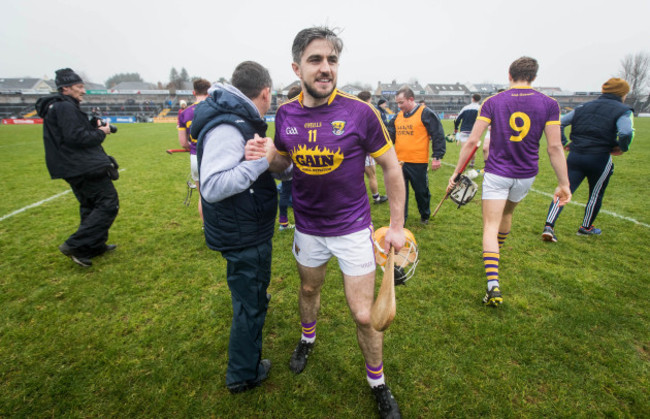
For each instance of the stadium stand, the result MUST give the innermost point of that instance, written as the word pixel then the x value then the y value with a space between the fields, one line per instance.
pixel 144 102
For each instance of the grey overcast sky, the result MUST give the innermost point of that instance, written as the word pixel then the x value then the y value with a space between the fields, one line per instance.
pixel 578 43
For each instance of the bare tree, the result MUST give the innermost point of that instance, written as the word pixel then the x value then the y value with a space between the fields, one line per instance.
pixel 635 69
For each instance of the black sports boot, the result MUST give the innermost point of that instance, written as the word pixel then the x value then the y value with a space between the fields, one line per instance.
pixel 386 403
pixel 299 356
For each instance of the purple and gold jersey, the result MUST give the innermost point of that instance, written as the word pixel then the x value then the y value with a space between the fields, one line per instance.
pixel 517 118
pixel 184 122
pixel 328 146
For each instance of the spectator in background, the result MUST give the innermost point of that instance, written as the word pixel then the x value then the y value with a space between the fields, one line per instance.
pixel 370 171
pixel 412 130
pixel 382 105
pixel 73 152
pixel 185 116
pixel 182 104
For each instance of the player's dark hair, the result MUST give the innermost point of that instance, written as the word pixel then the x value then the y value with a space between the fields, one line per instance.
pixel 476 97
pixel 251 78
pixel 407 92
pixel 524 69
pixel 293 92
pixel 364 95
pixel 305 36
pixel 201 86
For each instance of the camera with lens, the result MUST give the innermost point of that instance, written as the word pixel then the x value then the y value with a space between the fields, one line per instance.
pixel 98 122
pixel 113 128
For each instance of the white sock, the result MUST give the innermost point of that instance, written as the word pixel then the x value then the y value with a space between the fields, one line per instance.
pixel 492 284
pixel 375 383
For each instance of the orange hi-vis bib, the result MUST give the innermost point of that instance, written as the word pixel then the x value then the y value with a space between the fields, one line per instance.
pixel 411 138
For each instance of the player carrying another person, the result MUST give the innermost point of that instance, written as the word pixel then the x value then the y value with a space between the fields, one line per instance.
pixel 518 117
pixel 327 134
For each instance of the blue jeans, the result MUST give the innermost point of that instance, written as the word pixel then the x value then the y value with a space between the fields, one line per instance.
pixel 248 272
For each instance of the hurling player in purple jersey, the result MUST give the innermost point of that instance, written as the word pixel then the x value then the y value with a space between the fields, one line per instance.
pixel 326 134
pixel 185 118
pixel 518 117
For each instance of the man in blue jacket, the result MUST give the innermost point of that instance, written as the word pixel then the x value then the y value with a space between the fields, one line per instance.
pixel 600 129
pixel 240 202
pixel 73 152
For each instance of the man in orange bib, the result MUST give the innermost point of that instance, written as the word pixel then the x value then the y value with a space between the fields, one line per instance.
pixel 412 130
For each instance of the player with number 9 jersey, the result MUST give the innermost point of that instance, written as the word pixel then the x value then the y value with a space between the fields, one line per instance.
pixel 518 117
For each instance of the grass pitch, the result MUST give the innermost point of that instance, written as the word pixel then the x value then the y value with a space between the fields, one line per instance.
pixel 144 332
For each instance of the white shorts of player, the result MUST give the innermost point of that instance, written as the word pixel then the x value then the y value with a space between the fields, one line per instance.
pixel 194 167
pixel 354 251
pixel 499 187
pixel 369 160
pixel 463 136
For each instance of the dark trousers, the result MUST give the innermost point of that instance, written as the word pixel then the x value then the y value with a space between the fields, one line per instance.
pixel 248 273
pixel 285 198
pixel 598 169
pixel 98 207
pixel 416 174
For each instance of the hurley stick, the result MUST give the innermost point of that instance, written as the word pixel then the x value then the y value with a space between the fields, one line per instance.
pixel 384 308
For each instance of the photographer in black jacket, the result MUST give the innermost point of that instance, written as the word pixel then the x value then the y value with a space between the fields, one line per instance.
pixel 73 152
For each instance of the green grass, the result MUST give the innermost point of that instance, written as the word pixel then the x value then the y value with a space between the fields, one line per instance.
pixel 144 332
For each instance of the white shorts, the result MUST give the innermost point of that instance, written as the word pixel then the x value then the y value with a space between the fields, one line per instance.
pixel 463 136
pixel 194 167
pixel 499 187
pixel 369 160
pixel 354 251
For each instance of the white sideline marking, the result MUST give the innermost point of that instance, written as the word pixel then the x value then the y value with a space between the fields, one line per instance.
pixel 39 203
pixel 602 211
pixel 36 204
pixel 580 204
